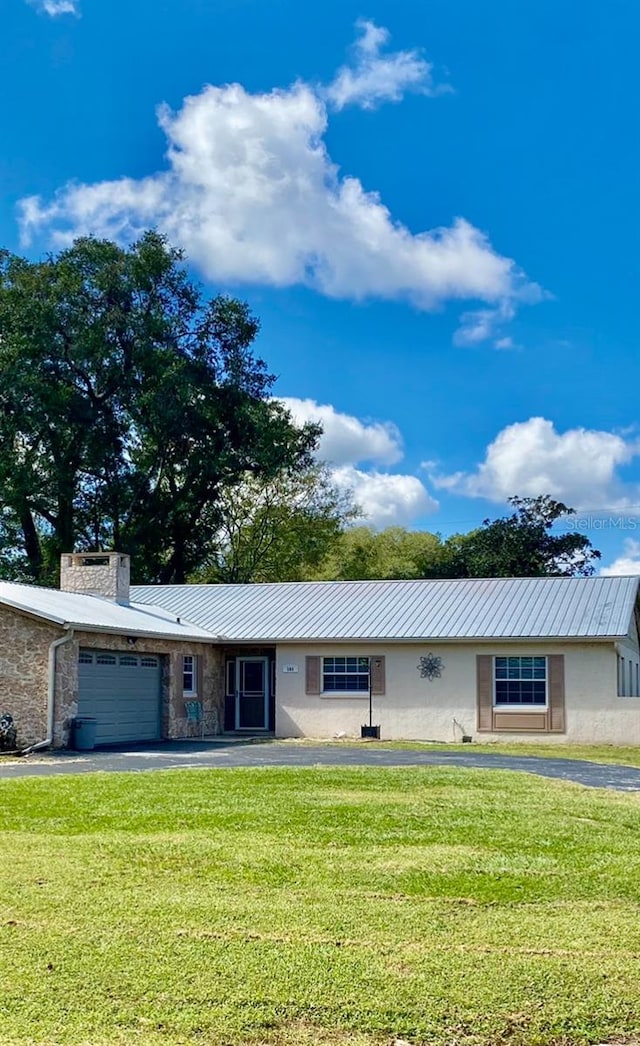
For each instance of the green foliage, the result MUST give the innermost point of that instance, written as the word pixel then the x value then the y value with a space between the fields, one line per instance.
pixel 362 554
pixel 298 907
pixel 521 545
pixel 14 565
pixel 279 529
pixel 134 415
pixel 128 404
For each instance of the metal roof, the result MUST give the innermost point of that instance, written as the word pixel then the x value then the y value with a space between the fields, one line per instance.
pixel 496 608
pixel 95 614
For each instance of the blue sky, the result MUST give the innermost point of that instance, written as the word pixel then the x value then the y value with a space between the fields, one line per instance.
pixel 432 207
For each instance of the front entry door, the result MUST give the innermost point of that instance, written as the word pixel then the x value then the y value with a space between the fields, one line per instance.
pixel 252 694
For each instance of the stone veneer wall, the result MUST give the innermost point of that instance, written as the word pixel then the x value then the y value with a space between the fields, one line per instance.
pixel 91 573
pixel 173 711
pixel 24 660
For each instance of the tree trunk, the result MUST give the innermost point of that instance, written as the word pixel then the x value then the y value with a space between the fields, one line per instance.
pixel 31 542
pixel 174 571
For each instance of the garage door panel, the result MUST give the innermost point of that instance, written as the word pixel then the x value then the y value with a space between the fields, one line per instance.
pixel 122 692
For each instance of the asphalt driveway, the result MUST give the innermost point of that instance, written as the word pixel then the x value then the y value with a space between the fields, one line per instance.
pixel 171 755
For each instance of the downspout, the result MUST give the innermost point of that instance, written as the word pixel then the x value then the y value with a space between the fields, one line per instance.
pixel 51 693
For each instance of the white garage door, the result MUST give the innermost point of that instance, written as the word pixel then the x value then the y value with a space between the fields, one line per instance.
pixel 122 692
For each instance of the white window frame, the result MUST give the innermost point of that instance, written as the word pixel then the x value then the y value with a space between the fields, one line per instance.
pixel 360 671
pixel 190 670
pixel 230 676
pixel 513 706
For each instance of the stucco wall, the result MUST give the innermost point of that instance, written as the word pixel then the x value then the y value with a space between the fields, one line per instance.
pixel 416 708
pixel 24 656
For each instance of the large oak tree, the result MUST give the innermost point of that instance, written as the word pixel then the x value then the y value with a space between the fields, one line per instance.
pixel 128 404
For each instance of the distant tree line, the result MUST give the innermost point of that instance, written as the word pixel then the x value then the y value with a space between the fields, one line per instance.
pixel 521 544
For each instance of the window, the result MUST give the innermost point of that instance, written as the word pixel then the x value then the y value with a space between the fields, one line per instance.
pixel 621 692
pixel 231 677
pixel 340 674
pixel 628 677
pixel 149 662
pixel 190 674
pixel 85 658
pixel 520 681
pixel 106 659
pixel 128 661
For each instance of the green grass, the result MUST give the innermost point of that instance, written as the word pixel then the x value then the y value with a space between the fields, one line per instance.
pixel 333 907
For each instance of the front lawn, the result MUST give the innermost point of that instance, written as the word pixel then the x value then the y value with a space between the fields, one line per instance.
pixel 324 907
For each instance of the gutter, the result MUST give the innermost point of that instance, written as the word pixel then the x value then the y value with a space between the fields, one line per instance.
pixel 51 693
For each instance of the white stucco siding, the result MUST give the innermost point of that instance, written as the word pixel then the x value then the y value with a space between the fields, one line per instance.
pixel 422 709
pixel 595 712
pixel 411 707
pixel 630 646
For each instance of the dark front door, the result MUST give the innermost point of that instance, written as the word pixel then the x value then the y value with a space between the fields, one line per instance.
pixel 252 693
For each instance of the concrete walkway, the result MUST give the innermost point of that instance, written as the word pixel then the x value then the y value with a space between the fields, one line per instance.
pixel 171 755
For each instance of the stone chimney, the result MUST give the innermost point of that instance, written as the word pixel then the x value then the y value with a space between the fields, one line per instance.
pixel 103 574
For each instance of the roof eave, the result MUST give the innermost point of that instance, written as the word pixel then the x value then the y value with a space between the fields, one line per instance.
pixel 310 640
pixel 41 615
pixel 141 633
pixel 118 630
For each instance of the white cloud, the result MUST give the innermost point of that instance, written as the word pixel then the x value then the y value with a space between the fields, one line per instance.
pixel 530 457
pixel 386 499
pixel 56 7
pixel 346 439
pixel 627 564
pixel 252 195
pixel 374 78
pixel 480 325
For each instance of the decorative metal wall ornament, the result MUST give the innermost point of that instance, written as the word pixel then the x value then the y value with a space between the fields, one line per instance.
pixel 430 667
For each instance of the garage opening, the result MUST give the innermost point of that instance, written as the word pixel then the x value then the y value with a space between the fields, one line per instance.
pixel 123 692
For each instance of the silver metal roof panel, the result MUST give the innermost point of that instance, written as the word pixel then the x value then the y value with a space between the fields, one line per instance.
pixel 476 608
pixel 93 613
